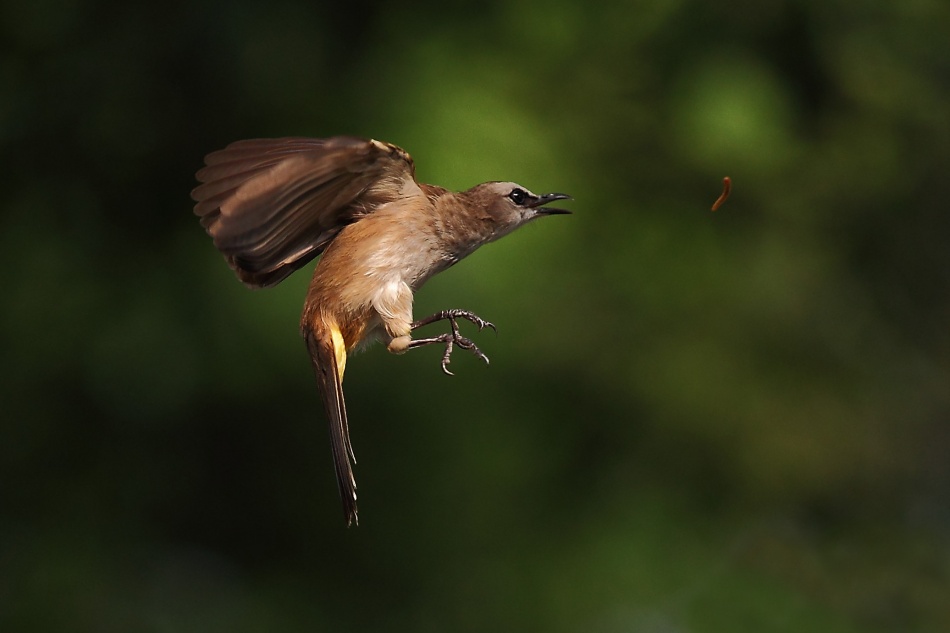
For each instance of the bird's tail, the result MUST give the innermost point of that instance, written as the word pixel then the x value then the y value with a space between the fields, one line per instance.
pixel 328 355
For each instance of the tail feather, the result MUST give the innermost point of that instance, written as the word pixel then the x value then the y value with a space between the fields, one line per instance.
pixel 329 379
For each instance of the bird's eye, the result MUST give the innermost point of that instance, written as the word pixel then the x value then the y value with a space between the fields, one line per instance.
pixel 518 196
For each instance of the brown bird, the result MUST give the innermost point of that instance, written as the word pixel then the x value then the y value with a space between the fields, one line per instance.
pixel 272 205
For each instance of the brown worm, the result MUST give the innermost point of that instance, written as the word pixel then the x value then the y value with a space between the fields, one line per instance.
pixel 726 188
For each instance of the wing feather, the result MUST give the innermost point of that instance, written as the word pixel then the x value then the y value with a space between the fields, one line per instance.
pixel 272 205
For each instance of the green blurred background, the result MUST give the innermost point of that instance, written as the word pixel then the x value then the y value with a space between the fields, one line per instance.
pixel 692 422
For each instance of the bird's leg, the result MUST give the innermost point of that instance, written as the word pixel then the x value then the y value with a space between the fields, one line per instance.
pixel 449 339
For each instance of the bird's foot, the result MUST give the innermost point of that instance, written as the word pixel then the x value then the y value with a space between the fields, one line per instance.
pixel 451 316
pixel 453 338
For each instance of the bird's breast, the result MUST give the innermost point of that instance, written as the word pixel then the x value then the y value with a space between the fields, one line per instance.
pixel 371 269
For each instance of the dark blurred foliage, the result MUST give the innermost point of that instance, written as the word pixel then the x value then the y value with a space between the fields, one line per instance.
pixel 693 421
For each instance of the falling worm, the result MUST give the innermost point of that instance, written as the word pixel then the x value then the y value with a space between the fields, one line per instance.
pixel 726 188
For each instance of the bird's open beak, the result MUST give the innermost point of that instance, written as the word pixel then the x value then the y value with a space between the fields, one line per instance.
pixel 545 198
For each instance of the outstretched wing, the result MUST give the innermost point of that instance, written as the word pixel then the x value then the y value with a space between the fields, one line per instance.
pixel 272 205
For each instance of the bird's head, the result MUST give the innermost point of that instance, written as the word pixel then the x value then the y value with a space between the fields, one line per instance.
pixel 508 205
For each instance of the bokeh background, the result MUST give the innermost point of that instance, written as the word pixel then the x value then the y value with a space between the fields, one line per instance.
pixel 692 421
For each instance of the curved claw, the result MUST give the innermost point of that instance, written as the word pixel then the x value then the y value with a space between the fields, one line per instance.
pixel 467 344
pixel 446 358
pixel 479 322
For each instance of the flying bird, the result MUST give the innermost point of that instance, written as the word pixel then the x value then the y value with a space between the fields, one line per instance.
pixel 273 205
